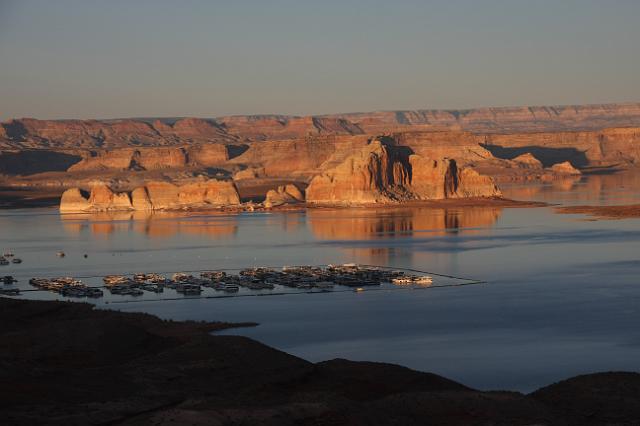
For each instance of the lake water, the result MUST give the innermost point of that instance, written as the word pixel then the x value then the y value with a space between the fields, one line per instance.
pixel 562 294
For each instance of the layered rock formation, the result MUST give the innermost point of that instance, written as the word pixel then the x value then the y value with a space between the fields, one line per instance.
pixel 612 146
pixel 32 133
pixel 382 174
pixel 153 158
pixel 152 196
pixel 506 143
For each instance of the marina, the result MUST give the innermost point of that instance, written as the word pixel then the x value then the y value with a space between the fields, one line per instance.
pixel 255 280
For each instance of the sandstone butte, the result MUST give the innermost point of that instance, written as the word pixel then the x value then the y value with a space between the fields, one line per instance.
pixel 152 196
pixel 385 174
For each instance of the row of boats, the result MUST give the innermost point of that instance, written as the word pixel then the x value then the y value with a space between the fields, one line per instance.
pixel 8 258
pixel 66 286
pixel 258 278
pixel 8 280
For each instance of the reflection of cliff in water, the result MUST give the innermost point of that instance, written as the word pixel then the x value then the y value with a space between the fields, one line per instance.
pixel 158 224
pixel 380 224
pixel 614 188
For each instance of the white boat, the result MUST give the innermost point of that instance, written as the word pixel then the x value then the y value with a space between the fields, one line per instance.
pixel 230 288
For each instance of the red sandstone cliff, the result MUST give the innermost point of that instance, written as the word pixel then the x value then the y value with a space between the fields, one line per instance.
pixel 382 174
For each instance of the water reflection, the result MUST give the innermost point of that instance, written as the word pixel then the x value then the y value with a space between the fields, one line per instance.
pixel 369 225
pixel 366 224
pixel 159 224
pixel 614 188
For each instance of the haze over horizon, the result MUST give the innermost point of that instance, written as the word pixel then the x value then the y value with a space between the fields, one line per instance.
pixel 87 59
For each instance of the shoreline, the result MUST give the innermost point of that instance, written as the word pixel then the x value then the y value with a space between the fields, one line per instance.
pixel 471 202
pixel 135 368
pixel 594 213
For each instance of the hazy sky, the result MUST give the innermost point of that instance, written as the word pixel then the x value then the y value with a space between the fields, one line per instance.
pixel 101 59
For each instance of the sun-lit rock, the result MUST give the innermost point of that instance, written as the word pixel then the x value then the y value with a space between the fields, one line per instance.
pixel 382 174
pixel 284 194
pixel 565 168
pixel 153 196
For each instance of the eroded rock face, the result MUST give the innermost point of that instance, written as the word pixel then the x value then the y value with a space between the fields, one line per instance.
pixel 383 174
pixel 369 176
pixel 102 198
pixel 133 159
pixel 153 158
pixel 284 194
pixel 140 199
pixel 153 196
pixel 73 201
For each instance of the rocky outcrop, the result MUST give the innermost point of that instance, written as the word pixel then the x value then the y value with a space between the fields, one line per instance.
pixel 565 168
pixel 102 198
pixel 284 194
pixel 527 161
pixel 384 174
pixel 371 175
pixel 73 201
pixel 153 196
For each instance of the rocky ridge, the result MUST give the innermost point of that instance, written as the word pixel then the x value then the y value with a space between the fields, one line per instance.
pixel 45 134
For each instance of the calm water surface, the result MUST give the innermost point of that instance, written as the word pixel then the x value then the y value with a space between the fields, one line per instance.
pixel 563 294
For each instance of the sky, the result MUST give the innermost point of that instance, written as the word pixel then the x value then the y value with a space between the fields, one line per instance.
pixel 137 58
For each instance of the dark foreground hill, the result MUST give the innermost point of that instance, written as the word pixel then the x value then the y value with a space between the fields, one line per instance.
pixel 66 363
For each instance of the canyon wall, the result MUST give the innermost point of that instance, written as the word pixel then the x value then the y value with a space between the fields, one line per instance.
pixel 614 146
pixel 31 133
pixel 153 158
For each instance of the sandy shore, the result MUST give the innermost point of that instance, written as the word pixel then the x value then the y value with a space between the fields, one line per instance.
pixel 67 363
pixel 603 212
